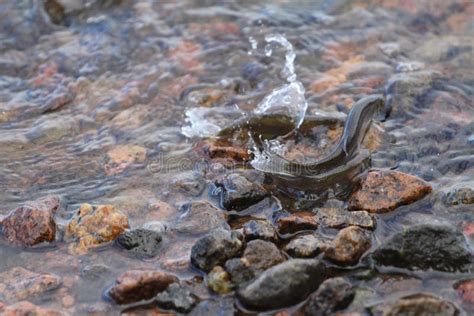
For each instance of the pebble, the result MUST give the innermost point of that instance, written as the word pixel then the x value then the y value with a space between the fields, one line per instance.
pixel 297 222
pixel 348 245
pixel 238 193
pixel 384 190
pixel 215 248
pixel 332 295
pixel 136 285
pixel 307 246
pixel 259 229
pixel 200 217
pixel 177 297
pixel 141 241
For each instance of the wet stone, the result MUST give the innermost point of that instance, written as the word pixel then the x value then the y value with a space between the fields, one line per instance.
pixel 178 298
pixel 384 190
pixel 297 222
pixel 261 255
pixel 339 218
pixel 307 246
pixel 459 196
pixel 93 226
pixel 218 280
pixel 429 246
pixel 143 242
pixel 348 245
pixel 32 223
pixel 416 304
pixel 136 285
pixel 25 308
pixel 283 285
pixel 259 229
pixel 465 290
pixel 219 148
pixel 18 284
pixel 200 217
pixel 239 270
pixel 215 248
pixel 332 295
pixel 238 193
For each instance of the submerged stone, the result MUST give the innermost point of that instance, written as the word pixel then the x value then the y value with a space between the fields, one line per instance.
pixel 200 217
pixel 296 222
pixel 348 246
pixel 417 304
pixel 283 285
pixel 218 280
pixel 26 308
pixel 32 223
pixel 136 285
pixel 215 248
pixel 178 298
pixel 18 284
pixel 261 255
pixel 339 218
pixel 384 190
pixel 141 241
pixel 307 246
pixel 259 229
pixel 429 246
pixel 332 295
pixel 238 193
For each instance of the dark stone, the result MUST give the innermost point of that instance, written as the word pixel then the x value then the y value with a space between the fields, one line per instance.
pixel 32 223
pixel 417 304
pixel 215 249
pixel 136 285
pixel 437 246
pixel 141 241
pixel 239 270
pixel 238 193
pixel 259 229
pixel 333 295
pixel 307 246
pixel 178 298
pixel 200 217
pixel 283 285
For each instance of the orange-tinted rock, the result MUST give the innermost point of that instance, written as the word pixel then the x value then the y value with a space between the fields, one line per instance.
pixel 349 245
pixel 136 285
pixel 93 226
pixel 25 308
pixel 18 284
pixel 384 190
pixel 296 222
pixel 121 157
pixel 32 223
pixel 465 289
pixel 219 148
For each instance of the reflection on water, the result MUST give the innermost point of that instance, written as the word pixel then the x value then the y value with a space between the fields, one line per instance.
pixel 92 108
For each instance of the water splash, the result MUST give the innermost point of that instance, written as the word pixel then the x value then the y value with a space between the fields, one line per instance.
pixel 288 99
pixel 198 124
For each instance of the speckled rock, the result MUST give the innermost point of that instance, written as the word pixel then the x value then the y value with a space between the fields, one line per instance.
pixel 283 285
pixel 348 246
pixel 238 193
pixel 307 245
pixel 417 304
pixel 218 280
pixel 384 190
pixel 25 308
pixel 259 229
pixel 459 196
pixel 332 295
pixel 215 248
pixel 141 241
pixel 465 290
pixel 136 285
pixel 339 218
pixel 297 222
pixel 32 223
pixel 18 284
pixel 262 254
pixel 200 217
pixel 239 270
pixel 178 298
pixel 429 246
pixel 93 226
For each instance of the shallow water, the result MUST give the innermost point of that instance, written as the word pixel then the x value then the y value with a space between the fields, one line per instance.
pixel 92 110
